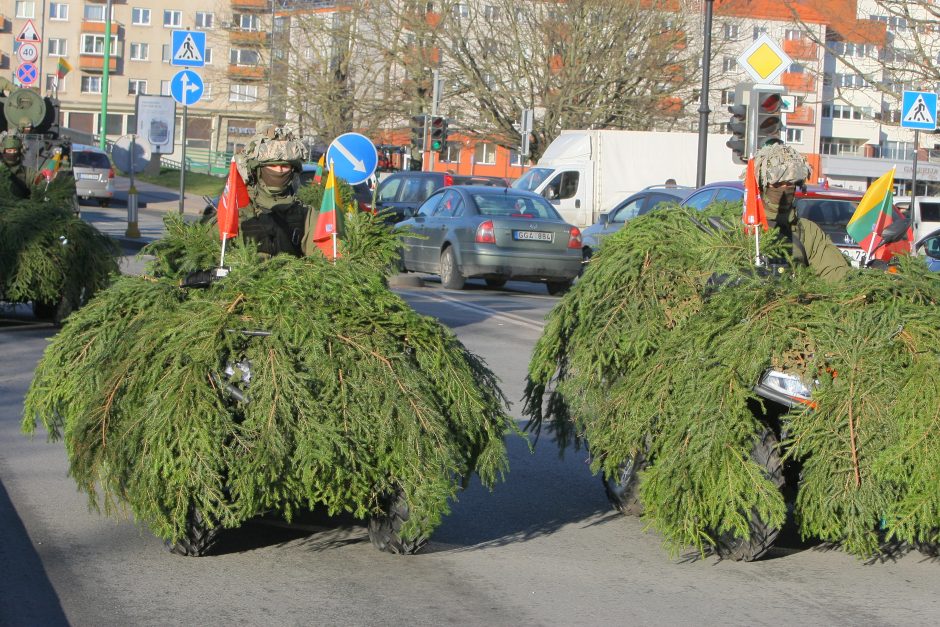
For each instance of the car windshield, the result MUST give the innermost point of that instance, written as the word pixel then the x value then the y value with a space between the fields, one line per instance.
pixel 90 160
pixel 508 205
pixel 532 179
pixel 826 210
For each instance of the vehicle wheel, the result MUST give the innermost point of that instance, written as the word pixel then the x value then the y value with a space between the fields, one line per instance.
pixel 385 528
pixel 198 540
pixel 450 273
pixel 52 312
pixel 765 452
pixel 495 283
pixel 104 202
pixel 623 489
pixel 558 287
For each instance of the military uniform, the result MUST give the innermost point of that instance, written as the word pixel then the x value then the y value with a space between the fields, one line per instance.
pixel 779 170
pixel 275 219
pixel 14 181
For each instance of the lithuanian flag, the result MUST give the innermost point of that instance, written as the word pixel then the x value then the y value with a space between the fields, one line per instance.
pixel 62 68
pixel 873 209
pixel 330 221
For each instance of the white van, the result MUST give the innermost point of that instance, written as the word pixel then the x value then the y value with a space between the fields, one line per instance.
pixel 926 217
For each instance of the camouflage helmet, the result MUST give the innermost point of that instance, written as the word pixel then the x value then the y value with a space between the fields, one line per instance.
pixel 272 146
pixel 11 141
pixel 779 163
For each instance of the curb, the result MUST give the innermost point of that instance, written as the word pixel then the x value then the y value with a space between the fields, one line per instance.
pixel 405 280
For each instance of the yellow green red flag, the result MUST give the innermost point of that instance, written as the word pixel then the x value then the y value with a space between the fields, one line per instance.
pixel 878 200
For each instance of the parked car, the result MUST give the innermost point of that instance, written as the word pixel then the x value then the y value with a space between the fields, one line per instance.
pixel 94 175
pixel 495 234
pixel 400 194
pixel 929 246
pixel 635 205
pixel 830 208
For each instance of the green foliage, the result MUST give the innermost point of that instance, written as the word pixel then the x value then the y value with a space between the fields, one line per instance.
pixel 647 354
pixel 49 255
pixel 352 394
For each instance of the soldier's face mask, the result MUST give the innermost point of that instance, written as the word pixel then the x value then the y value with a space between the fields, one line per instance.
pixel 276 178
pixel 11 156
pixel 778 202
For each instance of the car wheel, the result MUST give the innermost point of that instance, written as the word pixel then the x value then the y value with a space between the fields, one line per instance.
pixel 451 278
pixel 104 202
pixel 762 536
pixel 385 528
pixel 495 283
pixel 623 489
pixel 198 539
pixel 558 287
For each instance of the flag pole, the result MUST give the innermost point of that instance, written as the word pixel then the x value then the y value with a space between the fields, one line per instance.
pixel 881 213
pixel 222 260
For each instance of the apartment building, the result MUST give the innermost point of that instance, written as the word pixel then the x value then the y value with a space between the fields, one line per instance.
pixel 236 73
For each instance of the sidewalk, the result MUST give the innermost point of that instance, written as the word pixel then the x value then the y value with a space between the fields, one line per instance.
pixel 154 202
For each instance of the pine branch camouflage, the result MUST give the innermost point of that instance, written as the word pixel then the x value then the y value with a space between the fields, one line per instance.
pixel 646 354
pixel 352 395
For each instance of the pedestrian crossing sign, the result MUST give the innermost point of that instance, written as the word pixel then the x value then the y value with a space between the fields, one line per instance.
pixel 919 110
pixel 189 48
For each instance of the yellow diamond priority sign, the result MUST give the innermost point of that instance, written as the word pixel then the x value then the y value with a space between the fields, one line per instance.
pixel 764 60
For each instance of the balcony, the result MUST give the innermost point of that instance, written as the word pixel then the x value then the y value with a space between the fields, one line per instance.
pixel 251 5
pixel 247 72
pixel 798 81
pixel 801 116
pixel 800 49
pixel 555 63
pixel 249 38
pixel 432 19
pixel 98 28
pixel 95 63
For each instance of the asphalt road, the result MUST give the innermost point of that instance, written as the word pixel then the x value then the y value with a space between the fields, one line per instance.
pixel 543 548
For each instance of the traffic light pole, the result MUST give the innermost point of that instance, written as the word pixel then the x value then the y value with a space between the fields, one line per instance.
pixel 435 100
pixel 703 109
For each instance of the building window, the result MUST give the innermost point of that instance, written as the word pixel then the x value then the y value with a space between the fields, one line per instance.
pixel 243 93
pixel 794 136
pixel 94 44
pixel 91 84
pixel 95 12
pixel 758 31
pixel 164 88
pixel 729 64
pixel 58 47
pixel 140 16
pixel 172 19
pixel 451 153
pixel 166 54
pixel 136 86
pixel 727 96
pixel 240 56
pixel 484 153
pixel 246 21
pixel 207 59
pixel 204 19
pixel 491 13
pixel 899 151
pixel 730 31
pixel 793 35
pixel 25 9
pixel 140 52
pixel 53 84
pixel 58 11
pixel 461 10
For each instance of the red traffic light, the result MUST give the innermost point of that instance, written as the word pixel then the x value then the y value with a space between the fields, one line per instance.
pixel 770 103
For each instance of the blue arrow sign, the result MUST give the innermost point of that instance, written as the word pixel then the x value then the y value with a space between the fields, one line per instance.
pixel 189 48
pixel 353 157
pixel 919 110
pixel 27 73
pixel 186 87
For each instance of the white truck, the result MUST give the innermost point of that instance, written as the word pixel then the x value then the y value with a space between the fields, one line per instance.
pixel 586 173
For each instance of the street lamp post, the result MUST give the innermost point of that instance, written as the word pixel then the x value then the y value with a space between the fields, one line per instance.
pixel 105 75
pixel 703 109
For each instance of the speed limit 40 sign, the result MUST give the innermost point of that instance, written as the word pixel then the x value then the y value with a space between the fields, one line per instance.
pixel 28 52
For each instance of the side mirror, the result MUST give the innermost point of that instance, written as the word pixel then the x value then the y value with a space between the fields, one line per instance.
pixel 604 218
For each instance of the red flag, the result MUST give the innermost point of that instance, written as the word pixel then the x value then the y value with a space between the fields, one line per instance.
pixel 330 221
pixel 753 204
pixel 233 198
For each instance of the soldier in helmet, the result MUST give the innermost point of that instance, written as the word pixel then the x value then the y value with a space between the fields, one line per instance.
pixel 780 170
pixel 275 218
pixel 13 175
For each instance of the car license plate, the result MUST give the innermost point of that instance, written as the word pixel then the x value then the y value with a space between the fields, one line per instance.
pixel 535 236
pixel 88 176
pixel 854 254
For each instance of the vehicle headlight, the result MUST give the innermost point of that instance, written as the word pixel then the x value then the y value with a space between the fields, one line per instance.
pixel 786 383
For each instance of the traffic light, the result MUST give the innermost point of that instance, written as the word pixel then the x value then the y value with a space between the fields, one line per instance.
pixel 768 120
pixel 438 133
pixel 417 131
pixel 737 126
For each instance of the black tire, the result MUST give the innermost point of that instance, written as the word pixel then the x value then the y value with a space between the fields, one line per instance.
pixel 52 312
pixel 451 278
pixel 762 536
pixel 495 283
pixel 385 528
pixel 198 540
pixel 104 203
pixel 623 489
pixel 558 287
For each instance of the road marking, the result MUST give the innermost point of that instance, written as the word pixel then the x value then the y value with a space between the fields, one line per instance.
pixel 493 313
